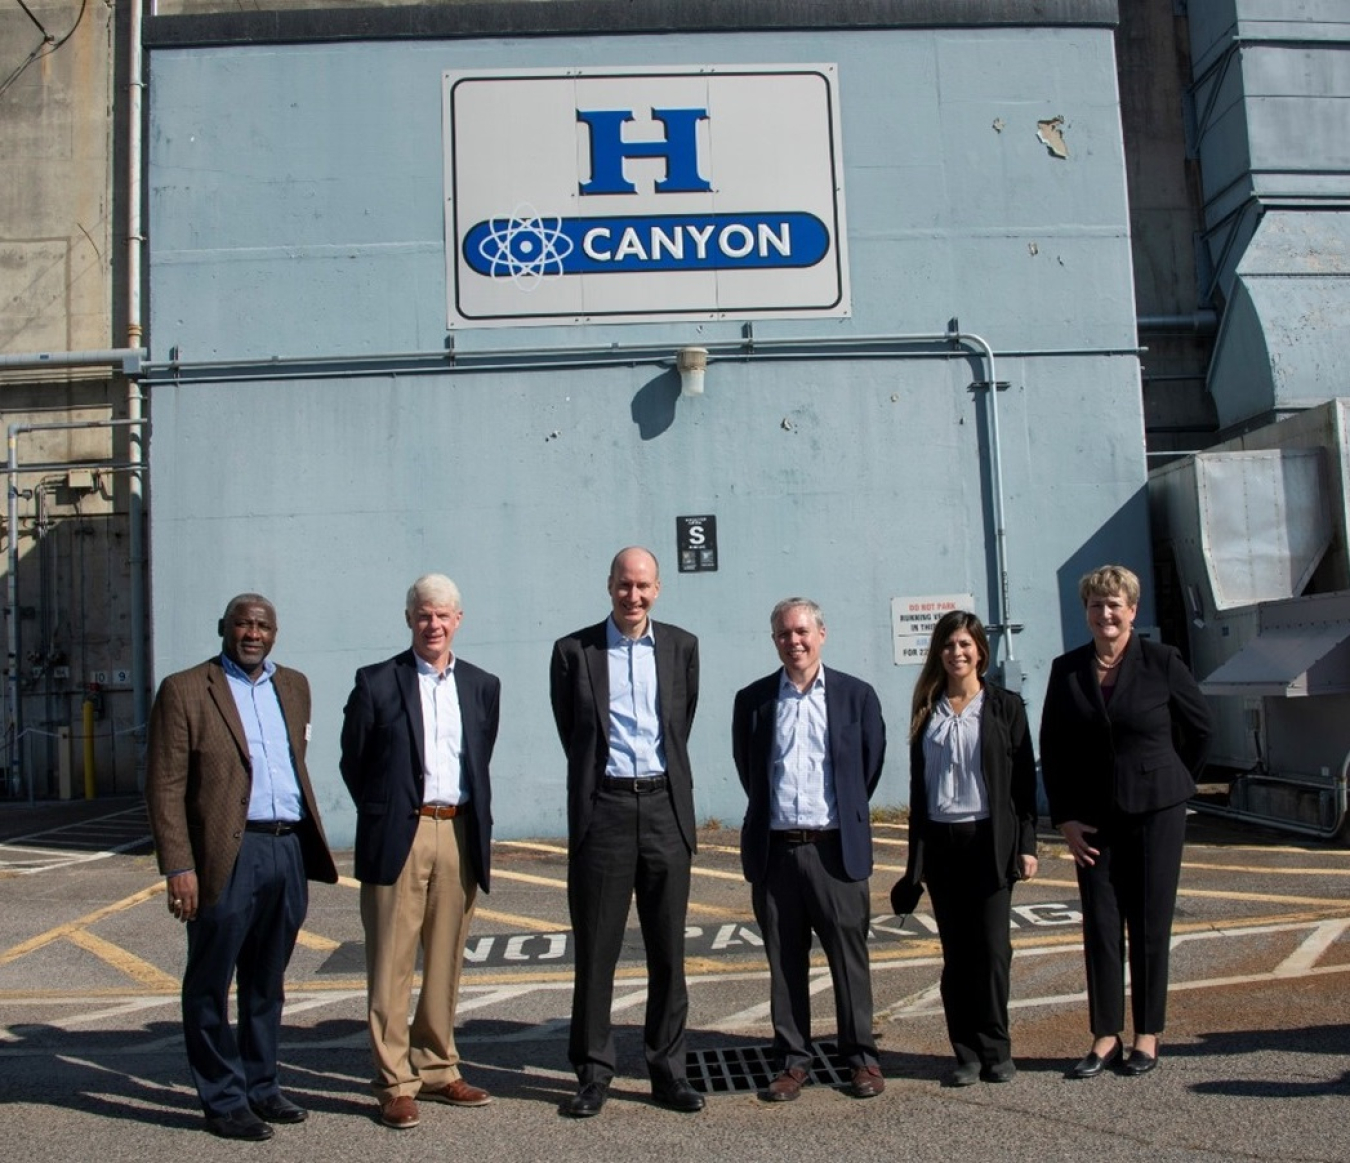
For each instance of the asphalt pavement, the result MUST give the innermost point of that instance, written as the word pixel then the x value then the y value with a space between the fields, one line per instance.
pixel 1255 1062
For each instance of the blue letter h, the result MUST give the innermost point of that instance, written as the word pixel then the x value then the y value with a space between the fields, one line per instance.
pixel 608 150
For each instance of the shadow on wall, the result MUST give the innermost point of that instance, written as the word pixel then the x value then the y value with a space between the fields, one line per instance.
pixel 1122 540
pixel 654 404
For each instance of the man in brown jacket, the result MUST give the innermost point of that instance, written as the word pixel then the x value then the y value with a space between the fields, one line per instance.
pixel 237 834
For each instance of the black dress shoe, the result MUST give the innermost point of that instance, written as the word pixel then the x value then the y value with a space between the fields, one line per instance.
pixel 587 1101
pixel 964 1074
pixel 679 1096
pixel 1092 1064
pixel 277 1108
pixel 1004 1071
pixel 240 1124
pixel 1139 1063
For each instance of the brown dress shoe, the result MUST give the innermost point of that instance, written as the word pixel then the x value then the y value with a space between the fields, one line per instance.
pixel 867 1082
pixel 399 1112
pixel 457 1093
pixel 785 1087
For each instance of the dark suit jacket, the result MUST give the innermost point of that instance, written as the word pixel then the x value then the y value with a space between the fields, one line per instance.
pixel 579 690
pixel 383 744
pixel 1140 753
pixel 857 750
pixel 1009 769
pixel 199 776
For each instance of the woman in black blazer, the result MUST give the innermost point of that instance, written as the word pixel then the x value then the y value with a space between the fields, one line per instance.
pixel 1123 733
pixel 972 832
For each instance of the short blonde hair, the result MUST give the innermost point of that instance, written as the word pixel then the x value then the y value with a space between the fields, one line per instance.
pixel 433 589
pixel 1109 581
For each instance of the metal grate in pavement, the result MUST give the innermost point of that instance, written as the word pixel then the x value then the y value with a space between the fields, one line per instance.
pixel 739 1069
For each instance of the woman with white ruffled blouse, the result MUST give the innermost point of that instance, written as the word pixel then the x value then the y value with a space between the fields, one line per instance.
pixel 972 833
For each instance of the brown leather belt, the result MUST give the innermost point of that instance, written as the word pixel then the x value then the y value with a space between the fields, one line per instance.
pixel 803 835
pixel 443 811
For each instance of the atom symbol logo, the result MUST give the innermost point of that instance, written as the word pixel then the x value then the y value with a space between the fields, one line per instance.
pixel 526 247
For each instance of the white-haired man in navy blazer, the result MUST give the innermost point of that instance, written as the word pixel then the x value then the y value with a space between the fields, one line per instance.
pixel 417 739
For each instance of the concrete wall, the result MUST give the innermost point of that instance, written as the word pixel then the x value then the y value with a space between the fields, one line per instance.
pixel 58 247
pixel 295 193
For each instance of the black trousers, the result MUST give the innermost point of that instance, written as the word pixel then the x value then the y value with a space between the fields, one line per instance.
pixel 1131 888
pixel 971 904
pixel 633 846
pixel 248 934
pixel 805 889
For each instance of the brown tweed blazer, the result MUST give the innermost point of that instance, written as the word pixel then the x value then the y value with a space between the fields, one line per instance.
pixel 198 776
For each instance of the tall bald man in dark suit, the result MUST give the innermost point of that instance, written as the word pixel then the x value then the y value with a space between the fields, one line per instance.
pixel 809 742
pixel 237 834
pixel 624 693
pixel 417 739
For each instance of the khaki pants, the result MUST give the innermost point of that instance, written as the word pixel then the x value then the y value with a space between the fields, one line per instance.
pixel 431 905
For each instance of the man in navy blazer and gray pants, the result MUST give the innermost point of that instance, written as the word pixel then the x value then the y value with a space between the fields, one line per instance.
pixel 809 744
pixel 417 738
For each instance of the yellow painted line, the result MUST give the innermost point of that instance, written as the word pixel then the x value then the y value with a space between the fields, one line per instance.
pixel 1261 870
pixel 25 947
pixel 531 846
pixel 314 941
pixel 150 976
pixel 349 882
pixel 528 878
pixel 480 914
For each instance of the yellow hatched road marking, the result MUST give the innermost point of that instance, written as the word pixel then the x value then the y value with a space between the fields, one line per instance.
pixel 150 976
pixel 25 947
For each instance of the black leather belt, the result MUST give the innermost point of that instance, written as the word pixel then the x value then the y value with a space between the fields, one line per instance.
pixel 272 827
pixel 803 835
pixel 640 786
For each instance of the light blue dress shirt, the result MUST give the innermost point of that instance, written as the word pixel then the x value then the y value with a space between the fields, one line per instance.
pixel 636 749
pixel 802 776
pixel 443 735
pixel 276 788
pixel 953 763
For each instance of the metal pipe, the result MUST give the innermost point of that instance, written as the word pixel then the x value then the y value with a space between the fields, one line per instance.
pixel 129 357
pixel 12 581
pixel 87 720
pixel 135 400
pixel 748 348
pixel 1004 612
pixel 1340 790
pixel 1199 322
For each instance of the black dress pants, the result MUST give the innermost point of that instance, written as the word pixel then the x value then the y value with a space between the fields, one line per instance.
pixel 1131 888
pixel 971 904
pixel 632 846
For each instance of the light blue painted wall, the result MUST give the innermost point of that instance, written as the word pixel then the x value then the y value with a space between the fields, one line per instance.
pixel 295 198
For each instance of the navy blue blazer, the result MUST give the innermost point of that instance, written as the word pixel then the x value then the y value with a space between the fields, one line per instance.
pixel 382 762
pixel 1139 753
pixel 857 751
pixel 579 691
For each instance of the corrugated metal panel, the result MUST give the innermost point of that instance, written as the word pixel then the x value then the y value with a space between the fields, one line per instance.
pixel 1264 522
pixel 1278 662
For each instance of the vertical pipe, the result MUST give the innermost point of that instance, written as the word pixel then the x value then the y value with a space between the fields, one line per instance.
pixel 89 789
pixel 135 400
pixel 996 487
pixel 15 724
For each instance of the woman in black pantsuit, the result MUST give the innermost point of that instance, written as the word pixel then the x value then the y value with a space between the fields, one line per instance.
pixel 972 832
pixel 1123 733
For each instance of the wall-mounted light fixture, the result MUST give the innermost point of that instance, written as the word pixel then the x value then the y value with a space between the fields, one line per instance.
pixel 692 362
